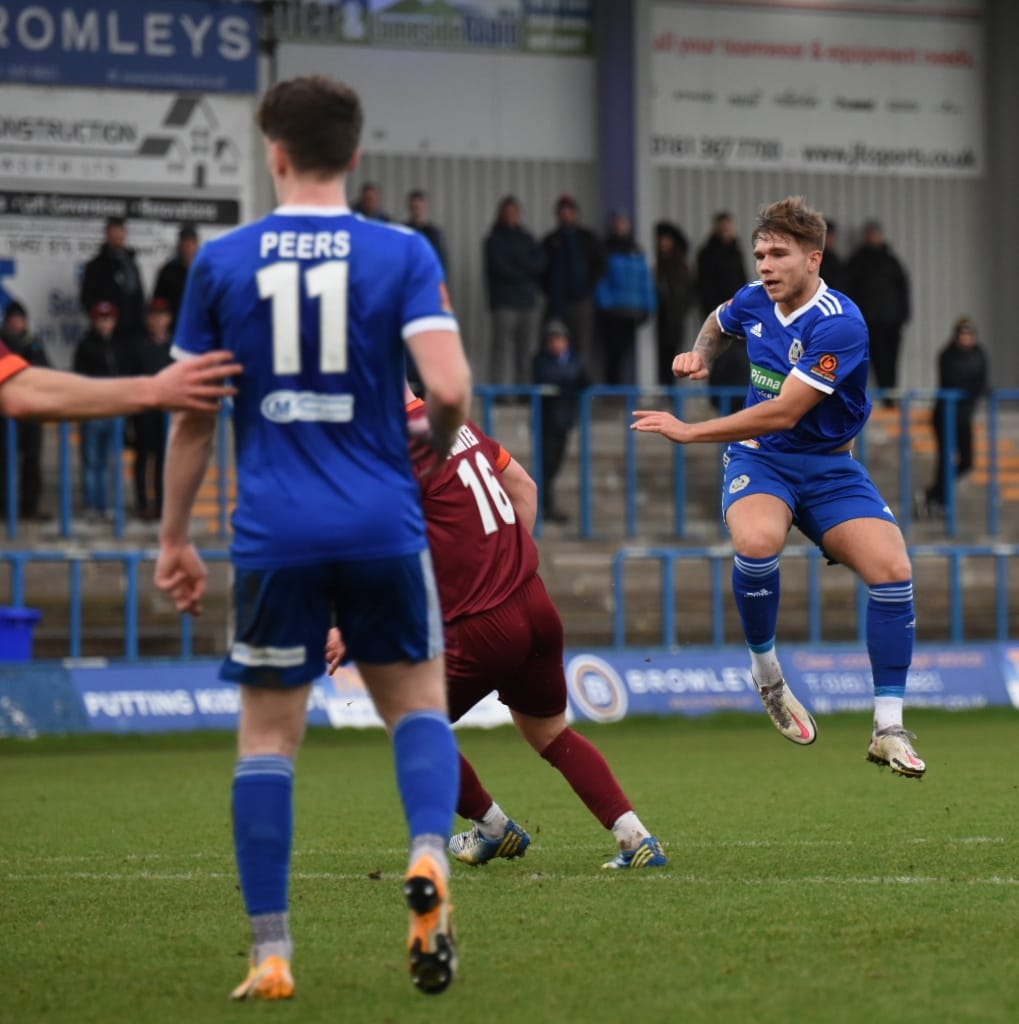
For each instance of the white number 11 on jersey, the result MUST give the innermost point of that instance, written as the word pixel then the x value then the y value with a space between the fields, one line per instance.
pixel 327 282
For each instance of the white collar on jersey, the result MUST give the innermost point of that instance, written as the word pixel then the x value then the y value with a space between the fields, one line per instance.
pixel 785 321
pixel 311 211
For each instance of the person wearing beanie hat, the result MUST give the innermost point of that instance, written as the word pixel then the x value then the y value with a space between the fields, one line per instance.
pixel 962 366
pixel 557 364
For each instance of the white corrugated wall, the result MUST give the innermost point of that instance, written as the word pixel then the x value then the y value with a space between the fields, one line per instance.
pixel 464 192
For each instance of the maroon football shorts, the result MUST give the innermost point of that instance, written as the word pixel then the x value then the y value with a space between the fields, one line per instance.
pixel 515 648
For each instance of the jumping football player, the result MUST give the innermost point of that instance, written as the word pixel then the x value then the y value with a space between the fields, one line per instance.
pixel 790 460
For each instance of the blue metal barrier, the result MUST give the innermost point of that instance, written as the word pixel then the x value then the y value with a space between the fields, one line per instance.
pixel 75 560
pixel 719 558
pixel 596 405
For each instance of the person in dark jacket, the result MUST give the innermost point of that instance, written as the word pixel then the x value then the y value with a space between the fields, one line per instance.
pixel 513 265
pixel 675 287
pixel 574 264
pixel 418 218
pixel 173 274
pixel 558 365
pixel 625 298
pixel 15 335
pixel 112 276
pixel 879 286
pixel 100 353
pixel 962 366
pixel 152 353
pixel 720 274
pixel 834 272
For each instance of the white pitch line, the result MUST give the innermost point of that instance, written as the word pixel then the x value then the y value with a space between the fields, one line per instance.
pixel 340 876
pixel 674 844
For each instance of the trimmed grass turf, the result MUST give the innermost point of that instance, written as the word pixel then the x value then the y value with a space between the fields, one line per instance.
pixel 804 883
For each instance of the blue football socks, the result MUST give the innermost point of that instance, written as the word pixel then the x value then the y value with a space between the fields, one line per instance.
pixel 891 627
pixel 427 772
pixel 263 813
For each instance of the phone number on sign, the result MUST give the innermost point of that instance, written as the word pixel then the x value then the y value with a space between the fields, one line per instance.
pixel 719 148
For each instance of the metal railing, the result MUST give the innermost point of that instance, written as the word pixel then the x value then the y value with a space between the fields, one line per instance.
pixel 603 422
pixel 76 561
pixel 719 560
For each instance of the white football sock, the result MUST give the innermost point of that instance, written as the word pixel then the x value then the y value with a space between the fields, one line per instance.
pixel 765 667
pixel 629 831
pixel 494 823
pixel 887 712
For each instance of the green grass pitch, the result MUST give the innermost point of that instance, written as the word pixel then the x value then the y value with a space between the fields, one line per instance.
pixel 804 884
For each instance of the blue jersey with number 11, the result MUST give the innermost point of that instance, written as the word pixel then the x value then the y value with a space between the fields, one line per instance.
pixel 316 305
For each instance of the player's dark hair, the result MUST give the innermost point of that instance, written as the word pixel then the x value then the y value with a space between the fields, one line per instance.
pixel 316 120
pixel 791 217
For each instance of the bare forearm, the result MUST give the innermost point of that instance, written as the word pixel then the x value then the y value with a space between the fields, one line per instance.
pixel 711 341
pixel 764 418
pixel 187 457
pixel 39 393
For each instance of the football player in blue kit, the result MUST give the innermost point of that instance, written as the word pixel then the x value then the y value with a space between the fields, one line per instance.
pixel 790 460
pixel 317 304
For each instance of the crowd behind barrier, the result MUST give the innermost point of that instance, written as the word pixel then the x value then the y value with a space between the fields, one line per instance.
pixel 598 405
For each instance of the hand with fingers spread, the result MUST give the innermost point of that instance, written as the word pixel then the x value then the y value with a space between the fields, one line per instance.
pixel 199 383
pixel 651 421
pixel 181 573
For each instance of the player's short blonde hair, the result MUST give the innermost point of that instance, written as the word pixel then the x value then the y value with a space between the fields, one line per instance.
pixel 791 217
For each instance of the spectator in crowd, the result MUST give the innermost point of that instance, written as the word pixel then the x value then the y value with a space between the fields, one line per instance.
pixel 674 285
pixel 513 266
pixel 833 267
pixel 879 286
pixel 574 264
pixel 173 274
pixel 557 364
pixel 625 299
pixel 112 276
pixel 721 273
pixel 100 353
pixel 153 354
pixel 962 366
pixel 369 202
pixel 15 335
pixel 418 219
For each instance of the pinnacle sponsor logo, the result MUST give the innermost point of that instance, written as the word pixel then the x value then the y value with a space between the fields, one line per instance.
pixel 765 379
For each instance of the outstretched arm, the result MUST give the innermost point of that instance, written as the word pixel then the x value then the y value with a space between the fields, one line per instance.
pixel 43 394
pixel 780 413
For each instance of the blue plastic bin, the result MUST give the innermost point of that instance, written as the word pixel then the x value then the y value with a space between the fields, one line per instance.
pixel 17 631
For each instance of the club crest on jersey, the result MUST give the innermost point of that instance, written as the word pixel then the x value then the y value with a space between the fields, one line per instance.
pixel 795 351
pixel 739 483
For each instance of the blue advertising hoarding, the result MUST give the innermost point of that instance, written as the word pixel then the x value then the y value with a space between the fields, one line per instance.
pixel 190 45
pixel 603 686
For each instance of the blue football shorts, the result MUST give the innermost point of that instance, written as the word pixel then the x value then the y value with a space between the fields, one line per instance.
pixel 821 490
pixel 387 609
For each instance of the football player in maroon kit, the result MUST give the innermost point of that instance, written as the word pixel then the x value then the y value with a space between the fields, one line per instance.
pixel 503 633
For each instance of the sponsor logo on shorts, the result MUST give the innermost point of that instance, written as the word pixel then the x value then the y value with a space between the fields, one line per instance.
pixel 739 483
